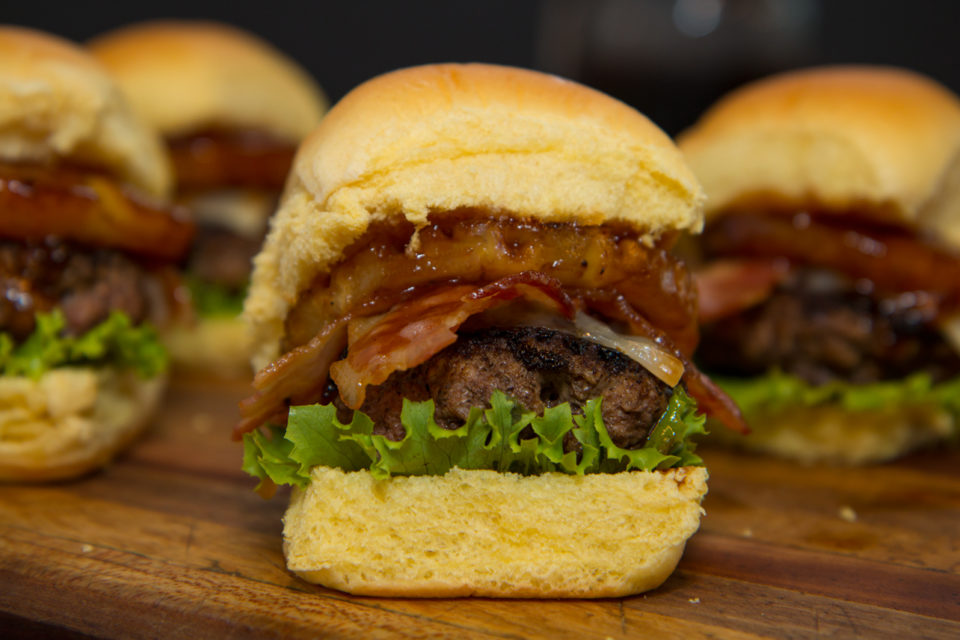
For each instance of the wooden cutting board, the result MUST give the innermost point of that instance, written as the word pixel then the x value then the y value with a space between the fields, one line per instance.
pixel 171 542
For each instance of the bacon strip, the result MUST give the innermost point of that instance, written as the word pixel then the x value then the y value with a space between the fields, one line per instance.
pixel 412 333
pixel 892 261
pixel 726 287
pixel 711 398
pixel 291 378
pixel 427 323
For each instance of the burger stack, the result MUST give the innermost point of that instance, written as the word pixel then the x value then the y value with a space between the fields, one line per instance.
pixel 472 339
pixel 830 291
pixel 232 110
pixel 88 248
pixel 474 343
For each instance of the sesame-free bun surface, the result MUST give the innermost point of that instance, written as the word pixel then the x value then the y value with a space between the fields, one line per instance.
pixel 185 76
pixel 58 104
pixel 71 420
pixel 438 138
pixel 486 533
pixel 878 140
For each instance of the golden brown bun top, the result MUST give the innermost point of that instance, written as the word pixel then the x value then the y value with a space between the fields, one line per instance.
pixel 57 103
pixel 444 137
pixel 186 76
pixel 884 141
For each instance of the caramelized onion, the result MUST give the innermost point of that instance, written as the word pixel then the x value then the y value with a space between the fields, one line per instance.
pixel 711 398
pixel 36 202
pixel 413 330
pixel 478 250
pixel 652 357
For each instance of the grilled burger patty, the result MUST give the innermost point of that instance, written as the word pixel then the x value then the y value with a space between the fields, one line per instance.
pixel 819 327
pixel 86 284
pixel 222 257
pixel 538 367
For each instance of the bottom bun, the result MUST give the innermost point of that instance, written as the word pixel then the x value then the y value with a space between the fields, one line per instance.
pixel 484 533
pixel 831 434
pixel 218 345
pixel 70 421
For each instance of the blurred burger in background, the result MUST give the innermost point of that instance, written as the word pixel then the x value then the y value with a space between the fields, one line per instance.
pixel 830 291
pixel 87 248
pixel 232 110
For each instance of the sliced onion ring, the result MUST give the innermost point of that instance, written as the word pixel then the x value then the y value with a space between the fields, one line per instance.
pixel 662 364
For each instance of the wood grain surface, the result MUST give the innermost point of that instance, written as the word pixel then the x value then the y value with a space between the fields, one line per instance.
pixel 171 542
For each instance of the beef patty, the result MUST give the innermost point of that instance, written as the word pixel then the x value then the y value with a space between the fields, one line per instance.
pixel 819 327
pixel 85 284
pixel 223 257
pixel 537 367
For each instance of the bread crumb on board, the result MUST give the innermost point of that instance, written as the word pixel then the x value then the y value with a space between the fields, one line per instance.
pixel 847 513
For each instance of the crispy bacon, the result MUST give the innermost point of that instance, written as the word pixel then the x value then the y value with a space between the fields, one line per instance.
pixel 726 287
pixel 292 378
pixel 411 333
pixel 893 260
pixel 711 399
pixel 36 202
pixel 418 328
pixel 407 335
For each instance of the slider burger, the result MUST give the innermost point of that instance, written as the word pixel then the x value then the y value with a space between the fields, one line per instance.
pixel 86 248
pixel 473 343
pixel 830 292
pixel 232 110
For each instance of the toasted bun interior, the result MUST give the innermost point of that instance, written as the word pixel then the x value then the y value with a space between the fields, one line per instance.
pixel 70 421
pixel 877 140
pixel 445 137
pixel 58 104
pixel 182 76
pixel 485 533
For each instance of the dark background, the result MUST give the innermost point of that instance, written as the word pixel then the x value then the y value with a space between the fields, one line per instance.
pixel 669 58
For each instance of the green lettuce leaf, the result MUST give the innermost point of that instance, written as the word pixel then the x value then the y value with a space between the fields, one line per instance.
pixel 114 341
pixel 778 390
pixel 490 439
pixel 213 300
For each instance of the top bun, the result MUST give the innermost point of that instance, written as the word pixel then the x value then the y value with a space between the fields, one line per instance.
pixel 444 137
pixel 881 141
pixel 58 104
pixel 183 77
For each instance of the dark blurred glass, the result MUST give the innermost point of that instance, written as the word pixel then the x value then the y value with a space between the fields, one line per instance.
pixel 671 58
